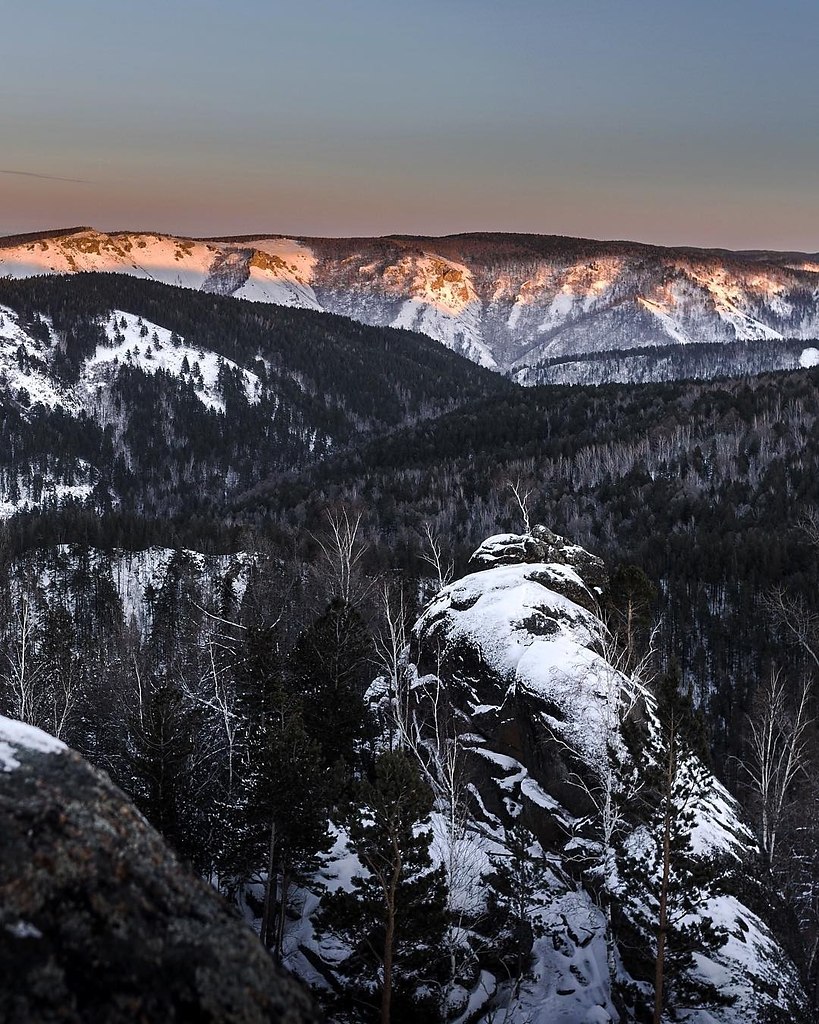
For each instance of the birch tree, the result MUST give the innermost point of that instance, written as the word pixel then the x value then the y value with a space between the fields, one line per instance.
pixel 777 754
pixel 23 673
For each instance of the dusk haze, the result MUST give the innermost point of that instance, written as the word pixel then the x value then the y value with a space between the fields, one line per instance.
pixel 409 512
pixel 682 124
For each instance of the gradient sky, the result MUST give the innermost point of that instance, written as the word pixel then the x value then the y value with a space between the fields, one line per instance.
pixel 687 122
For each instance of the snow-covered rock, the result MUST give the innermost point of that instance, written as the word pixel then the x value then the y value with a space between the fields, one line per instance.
pixel 16 737
pixel 99 921
pixel 519 655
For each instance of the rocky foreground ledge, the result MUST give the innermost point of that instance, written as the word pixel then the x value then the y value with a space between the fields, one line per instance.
pixel 98 920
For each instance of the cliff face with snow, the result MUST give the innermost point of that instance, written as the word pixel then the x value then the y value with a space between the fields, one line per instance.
pixel 515 654
pixel 519 303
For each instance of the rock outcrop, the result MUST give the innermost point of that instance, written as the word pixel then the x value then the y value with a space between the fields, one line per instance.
pixel 100 923
pixel 538 710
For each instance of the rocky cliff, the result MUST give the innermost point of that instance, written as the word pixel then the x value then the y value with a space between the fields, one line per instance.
pixel 546 725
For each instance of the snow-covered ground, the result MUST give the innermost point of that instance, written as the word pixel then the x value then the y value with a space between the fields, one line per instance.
pixel 152 348
pixel 45 491
pixel 24 364
pixel 27 354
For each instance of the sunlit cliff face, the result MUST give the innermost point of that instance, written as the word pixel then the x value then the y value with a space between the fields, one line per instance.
pixel 501 300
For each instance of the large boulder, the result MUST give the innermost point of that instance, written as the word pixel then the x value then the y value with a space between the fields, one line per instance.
pixel 584 584
pixel 100 923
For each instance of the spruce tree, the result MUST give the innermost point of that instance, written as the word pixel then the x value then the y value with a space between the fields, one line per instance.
pixel 670 883
pixel 392 919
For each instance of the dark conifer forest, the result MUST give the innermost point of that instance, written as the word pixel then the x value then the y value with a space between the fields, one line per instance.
pixel 198 596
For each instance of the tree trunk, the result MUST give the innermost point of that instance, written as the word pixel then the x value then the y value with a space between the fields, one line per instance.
pixel 813 976
pixel 611 960
pixel 389 942
pixel 264 933
pixel 281 915
pixel 662 929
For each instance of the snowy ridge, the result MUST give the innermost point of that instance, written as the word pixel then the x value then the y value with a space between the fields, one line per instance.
pixel 151 348
pixel 504 301
pixel 280 271
pixel 25 364
pixel 26 357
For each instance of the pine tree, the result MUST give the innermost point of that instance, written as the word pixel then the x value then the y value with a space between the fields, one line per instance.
pixel 672 884
pixel 517 884
pixel 280 820
pixel 627 603
pixel 392 919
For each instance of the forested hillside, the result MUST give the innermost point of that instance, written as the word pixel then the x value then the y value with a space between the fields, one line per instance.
pixel 165 401
pixel 219 515
pixel 534 305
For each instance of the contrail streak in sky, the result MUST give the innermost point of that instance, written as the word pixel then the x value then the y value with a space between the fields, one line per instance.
pixel 45 177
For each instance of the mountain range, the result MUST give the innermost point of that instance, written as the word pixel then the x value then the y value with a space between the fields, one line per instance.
pixel 538 307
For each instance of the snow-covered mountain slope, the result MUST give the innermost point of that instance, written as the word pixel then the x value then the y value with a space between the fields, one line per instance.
pixel 151 348
pixel 515 659
pixel 27 356
pixel 130 581
pixel 128 386
pixel 29 378
pixel 508 302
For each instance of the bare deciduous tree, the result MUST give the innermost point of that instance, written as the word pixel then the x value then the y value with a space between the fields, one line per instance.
pixel 777 755
pixel 433 555
pixel 343 552
pixel 522 498
pixel 23 674
pixel 794 618
pixel 391 647
pixel 426 727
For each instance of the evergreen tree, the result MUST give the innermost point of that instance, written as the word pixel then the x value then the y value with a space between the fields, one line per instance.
pixel 392 920
pixel 331 667
pixel 518 887
pixel 627 604
pixel 280 819
pixel 159 773
pixel 670 884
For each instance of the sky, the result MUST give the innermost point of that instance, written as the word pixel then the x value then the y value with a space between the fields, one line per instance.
pixel 689 122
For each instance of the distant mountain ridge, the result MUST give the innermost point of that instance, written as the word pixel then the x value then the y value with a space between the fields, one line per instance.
pixel 528 305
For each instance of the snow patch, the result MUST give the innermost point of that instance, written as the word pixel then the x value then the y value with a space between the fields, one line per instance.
pixel 149 347
pixel 17 736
